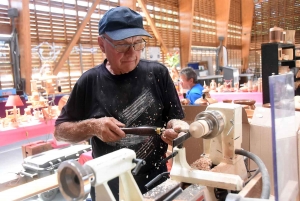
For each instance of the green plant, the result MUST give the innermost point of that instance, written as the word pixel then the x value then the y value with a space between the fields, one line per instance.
pixel 173 59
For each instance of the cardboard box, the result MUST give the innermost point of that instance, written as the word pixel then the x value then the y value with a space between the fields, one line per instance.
pixel 261 139
pixel 35 148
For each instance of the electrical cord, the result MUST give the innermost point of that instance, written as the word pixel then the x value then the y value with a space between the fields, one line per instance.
pixel 265 194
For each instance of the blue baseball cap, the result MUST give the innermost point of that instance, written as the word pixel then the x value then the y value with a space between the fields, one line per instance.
pixel 121 22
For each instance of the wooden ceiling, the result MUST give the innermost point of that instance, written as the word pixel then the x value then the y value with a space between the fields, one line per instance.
pixel 218 13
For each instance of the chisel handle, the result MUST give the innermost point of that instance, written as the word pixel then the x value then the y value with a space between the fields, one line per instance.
pixel 143 130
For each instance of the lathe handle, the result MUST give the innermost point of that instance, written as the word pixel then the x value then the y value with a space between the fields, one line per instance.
pixel 139 164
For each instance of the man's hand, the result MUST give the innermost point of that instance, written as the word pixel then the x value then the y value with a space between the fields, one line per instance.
pixel 185 101
pixel 175 128
pixel 108 129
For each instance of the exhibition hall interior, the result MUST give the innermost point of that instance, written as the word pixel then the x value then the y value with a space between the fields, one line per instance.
pixel 149 100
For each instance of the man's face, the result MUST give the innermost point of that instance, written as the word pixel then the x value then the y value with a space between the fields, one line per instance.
pixel 120 63
pixel 186 84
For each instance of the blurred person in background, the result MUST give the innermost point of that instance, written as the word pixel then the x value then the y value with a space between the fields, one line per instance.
pixel 188 78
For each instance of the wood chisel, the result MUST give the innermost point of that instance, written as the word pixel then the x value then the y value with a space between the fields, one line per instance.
pixel 144 130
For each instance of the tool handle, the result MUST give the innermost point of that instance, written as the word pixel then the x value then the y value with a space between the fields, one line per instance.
pixel 143 131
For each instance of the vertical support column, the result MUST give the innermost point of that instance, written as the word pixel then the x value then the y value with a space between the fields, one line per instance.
pixel 23 30
pixel 222 8
pixel 186 16
pixel 75 38
pixel 247 16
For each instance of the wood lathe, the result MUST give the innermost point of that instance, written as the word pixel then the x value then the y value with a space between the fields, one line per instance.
pixel 221 128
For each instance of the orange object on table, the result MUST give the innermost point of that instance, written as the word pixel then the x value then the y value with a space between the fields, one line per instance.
pixel 35 148
pixel 83 158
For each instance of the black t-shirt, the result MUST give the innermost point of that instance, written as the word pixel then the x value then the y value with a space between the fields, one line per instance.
pixel 144 96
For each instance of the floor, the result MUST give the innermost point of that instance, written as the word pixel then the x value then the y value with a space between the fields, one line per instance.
pixel 11 163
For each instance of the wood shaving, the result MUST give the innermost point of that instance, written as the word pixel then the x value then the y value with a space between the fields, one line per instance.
pixel 202 164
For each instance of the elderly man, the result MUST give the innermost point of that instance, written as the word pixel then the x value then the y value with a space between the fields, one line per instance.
pixel 123 91
pixel 188 78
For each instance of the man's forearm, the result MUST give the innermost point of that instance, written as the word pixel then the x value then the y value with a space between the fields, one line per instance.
pixel 75 131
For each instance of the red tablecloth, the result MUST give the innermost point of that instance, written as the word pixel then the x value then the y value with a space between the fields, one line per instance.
pixel 25 131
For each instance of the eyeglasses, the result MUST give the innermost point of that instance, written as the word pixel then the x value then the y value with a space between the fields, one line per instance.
pixel 124 48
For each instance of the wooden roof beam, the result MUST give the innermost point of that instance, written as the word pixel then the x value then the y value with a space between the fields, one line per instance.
pixel 24 40
pixel 128 3
pixel 247 16
pixel 186 16
pixel 222 9
pixel 153 27
pixel 75 38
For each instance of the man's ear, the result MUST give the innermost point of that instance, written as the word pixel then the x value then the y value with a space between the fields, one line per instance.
pixel 100 43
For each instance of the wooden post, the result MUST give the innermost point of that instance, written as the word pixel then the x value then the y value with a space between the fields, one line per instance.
pixel 23 30
pixel 186 16
pixel 222 8
pixel 247 15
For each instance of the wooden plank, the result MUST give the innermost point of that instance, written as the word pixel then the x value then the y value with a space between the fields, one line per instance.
pixel 253 188
pixel 30 189
pixel 23 29
pixel 5 29
pixel 247 16
pixel 75 38
pixel 222 8
pixel 186 16
pixel 153 27
pixel 198 43
pixel 129 3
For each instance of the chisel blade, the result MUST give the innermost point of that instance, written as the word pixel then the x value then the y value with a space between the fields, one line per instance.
pixel 180 139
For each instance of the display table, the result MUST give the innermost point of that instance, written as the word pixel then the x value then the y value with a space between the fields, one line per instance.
pixel 257 96
pixel 11 135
